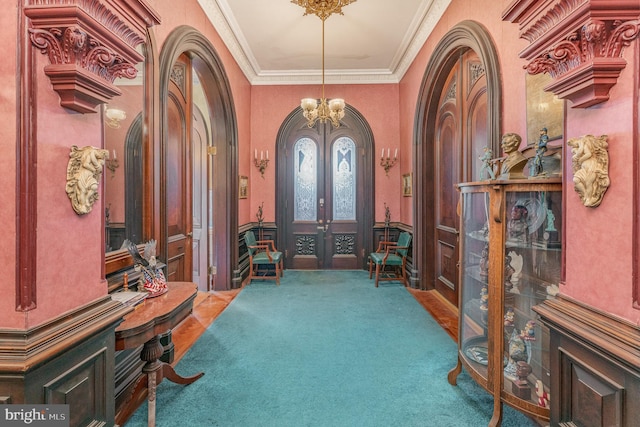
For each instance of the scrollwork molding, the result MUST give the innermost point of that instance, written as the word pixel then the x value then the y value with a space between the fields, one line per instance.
pixel 579 43
pixel 89 44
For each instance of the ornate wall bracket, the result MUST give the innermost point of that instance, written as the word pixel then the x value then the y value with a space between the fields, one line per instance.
pixel 89 44
pixel 84 172
pixel 579 43
pixel 590 164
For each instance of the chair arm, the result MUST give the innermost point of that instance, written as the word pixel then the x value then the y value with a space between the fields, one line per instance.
pixel 392 249
pixel 382 245
pixel 265 248
pixel 270 243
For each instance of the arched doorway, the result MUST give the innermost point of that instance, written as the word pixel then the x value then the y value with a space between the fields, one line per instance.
pixel 325 197
pixel 187 60
pixel 454 119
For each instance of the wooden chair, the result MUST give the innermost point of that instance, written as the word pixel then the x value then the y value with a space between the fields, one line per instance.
pixel 392 254
pixel 263 252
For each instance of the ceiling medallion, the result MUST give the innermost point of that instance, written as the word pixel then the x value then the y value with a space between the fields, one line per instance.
pixel 322 8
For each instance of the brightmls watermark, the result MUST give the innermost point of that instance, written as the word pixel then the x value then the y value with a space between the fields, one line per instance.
pixel 34 415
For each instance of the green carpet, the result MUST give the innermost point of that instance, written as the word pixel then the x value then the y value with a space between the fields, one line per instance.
pixel 325 348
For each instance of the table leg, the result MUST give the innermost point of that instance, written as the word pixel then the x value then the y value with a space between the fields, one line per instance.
pixel 156 370
pixel 151 352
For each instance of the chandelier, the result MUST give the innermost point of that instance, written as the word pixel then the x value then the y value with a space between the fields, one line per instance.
pixel 332 110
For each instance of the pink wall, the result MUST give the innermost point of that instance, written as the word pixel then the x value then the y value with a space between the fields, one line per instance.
pixel 598 246
pixel 70 250
pixel 270 105
pixel 598 242
pixel 8 135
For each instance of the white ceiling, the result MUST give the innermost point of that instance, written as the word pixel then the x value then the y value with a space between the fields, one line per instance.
pixel 375 41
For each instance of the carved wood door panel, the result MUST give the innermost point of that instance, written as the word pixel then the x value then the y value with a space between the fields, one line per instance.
pixel 177 174
pixel 460 136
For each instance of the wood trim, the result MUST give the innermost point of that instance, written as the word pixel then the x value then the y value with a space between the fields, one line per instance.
pixel 635 242
pixel 185 39
pixel 577 42
pixel 89 44
pixel 26 174
pixel 24 350
pixel 596 358
pixel 464 36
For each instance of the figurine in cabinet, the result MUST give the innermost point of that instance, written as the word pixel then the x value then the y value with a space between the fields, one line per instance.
pixel 518 227
pixel 509 317
pixel 543 396
pixel 517 352
pixel 529 332
pixel 508 273
pixel 484 261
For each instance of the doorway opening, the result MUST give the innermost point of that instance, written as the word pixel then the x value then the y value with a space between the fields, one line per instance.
pixel 325 196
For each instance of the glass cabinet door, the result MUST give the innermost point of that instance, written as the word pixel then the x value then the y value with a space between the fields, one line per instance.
pixel 474 297
pixel 532 271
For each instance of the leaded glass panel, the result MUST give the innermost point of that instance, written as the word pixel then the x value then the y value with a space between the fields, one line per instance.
pixel 344 179
pixel 305 180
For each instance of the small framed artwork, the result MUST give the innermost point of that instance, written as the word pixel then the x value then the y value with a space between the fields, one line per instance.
pixel 243 187
pixel 407 185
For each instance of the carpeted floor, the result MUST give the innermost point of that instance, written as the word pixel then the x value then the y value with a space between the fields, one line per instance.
pixel 325 348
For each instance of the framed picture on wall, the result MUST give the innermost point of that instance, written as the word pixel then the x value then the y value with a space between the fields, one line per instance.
pixel 243 185
pixel 407 185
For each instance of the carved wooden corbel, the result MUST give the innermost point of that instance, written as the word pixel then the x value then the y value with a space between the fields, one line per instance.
pixel 579 43
pixel 89 44
pixel 590 164
pixel 84 172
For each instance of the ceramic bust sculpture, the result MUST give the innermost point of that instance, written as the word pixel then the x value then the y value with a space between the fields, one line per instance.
pixel 514 161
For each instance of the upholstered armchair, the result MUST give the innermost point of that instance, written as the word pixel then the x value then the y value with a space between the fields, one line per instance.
pixel 263 253
pixel 390 260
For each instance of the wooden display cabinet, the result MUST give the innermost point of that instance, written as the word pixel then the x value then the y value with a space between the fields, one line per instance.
pixel 510 261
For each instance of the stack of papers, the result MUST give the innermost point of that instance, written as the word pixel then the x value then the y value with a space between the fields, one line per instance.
pixel 129 298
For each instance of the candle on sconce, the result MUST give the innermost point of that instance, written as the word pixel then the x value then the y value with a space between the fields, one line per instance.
pixel 261 154
pixel 255 154
pixel 267 154
pixel 395 154
pixel 388 152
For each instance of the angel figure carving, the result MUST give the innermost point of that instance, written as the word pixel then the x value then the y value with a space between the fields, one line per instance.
pixel 83 176
pixel 590 163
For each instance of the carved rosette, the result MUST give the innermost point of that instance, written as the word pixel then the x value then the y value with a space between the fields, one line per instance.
pixel 89 44
pixel 579 43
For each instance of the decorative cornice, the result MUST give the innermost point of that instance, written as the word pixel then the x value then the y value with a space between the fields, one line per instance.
pixel 89 44
pixel 579 43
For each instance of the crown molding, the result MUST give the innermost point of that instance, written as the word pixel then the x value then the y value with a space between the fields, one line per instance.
pixel 221 17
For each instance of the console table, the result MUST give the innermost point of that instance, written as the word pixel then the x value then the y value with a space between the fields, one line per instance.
pixel 145 324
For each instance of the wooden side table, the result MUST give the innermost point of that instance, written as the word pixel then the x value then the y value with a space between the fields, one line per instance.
pixel 145 324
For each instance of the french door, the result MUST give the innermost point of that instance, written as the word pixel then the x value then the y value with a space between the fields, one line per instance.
pixel 325 171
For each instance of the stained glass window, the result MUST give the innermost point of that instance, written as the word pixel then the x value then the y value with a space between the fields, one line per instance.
pixel 305 180
pixel 344 179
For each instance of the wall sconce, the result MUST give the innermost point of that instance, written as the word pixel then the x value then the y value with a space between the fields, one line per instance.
pixel 262 163
pixel 112 163
pixel 388 162
pixel 114 117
